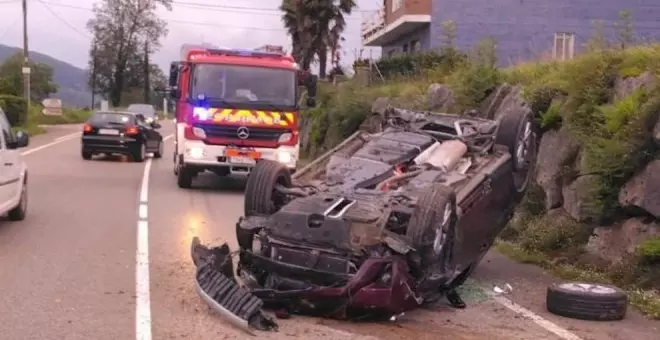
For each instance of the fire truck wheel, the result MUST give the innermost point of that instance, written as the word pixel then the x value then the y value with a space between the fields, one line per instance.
pixel 260 194
pixel 184 177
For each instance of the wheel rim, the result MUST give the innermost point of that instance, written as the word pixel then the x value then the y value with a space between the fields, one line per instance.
pixel 441 232
pixel 23 203
pixel 587 287
pixel 524 146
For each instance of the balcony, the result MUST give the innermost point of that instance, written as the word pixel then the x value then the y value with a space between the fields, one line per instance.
pixel 392 23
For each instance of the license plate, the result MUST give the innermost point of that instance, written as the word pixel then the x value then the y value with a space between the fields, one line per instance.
pixel 242 160
pixel 108 132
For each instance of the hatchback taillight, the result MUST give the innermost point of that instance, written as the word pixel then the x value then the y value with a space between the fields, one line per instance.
pixel 132 130
pixel 87 128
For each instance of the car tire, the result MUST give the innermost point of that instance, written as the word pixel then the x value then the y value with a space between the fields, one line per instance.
pixel 517 130
pixel 86 155
pixel 161 150
pixel 260 195
pixel 140 154
pixel 432 227
pixel 19 212
pixel 587 301
pixel 184 177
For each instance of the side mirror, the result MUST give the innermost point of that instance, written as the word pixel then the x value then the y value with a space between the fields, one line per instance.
pixel 311 102
pixel 156 125
pixel 20 140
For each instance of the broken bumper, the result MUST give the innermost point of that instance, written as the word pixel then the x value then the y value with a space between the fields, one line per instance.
pixel 382 287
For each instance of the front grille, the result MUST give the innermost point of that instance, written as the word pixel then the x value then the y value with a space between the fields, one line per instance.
pixel 255 133
pixel 319 261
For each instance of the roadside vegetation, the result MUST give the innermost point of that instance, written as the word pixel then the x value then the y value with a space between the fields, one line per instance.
pixel 578 95
pixel 15 106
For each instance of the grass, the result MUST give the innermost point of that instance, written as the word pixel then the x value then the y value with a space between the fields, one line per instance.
pixel 647 301
pixel 36 118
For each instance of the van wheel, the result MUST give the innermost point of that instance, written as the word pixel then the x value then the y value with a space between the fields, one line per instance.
pixel 19 212
pixel 184 177
pixel 86 155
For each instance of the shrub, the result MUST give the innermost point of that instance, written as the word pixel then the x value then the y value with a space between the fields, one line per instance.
pixel 550 233
pixel 649 251
pixel 415 63
pixel 15 108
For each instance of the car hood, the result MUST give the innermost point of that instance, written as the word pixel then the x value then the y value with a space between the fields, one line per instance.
pixel 331 221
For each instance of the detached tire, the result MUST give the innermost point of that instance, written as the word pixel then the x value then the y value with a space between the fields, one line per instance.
pixel 432 226
pixel 586 301
pixel 517 131
pixel 260 195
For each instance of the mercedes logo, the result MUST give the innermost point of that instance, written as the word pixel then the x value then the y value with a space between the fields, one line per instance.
pixel 243 132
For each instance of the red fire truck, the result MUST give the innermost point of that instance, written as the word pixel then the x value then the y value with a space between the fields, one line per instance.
pixel 235 107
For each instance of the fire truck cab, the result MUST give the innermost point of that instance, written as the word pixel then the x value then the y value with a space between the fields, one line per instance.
pixel 235 107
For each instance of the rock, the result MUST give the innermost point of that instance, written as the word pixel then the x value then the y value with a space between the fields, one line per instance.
pixel 624 87
pixel 619 241
pixel 643 190
pixel 439 97
pixel 580 198
pixel 557 150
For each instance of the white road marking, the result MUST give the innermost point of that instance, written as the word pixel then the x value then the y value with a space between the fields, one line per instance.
pixel 537 319
pixel 142 289
pixel 56 141
pixel 168 137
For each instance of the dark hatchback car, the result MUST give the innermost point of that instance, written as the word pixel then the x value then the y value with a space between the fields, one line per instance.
pixel 121 133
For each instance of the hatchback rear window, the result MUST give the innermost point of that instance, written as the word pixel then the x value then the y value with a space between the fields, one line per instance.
pixel 109 117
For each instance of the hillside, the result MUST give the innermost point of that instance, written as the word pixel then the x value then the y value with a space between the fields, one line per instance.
pixel 72 81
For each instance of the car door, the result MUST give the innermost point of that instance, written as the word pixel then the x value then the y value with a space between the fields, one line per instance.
pixel 151 142
pixel 10 161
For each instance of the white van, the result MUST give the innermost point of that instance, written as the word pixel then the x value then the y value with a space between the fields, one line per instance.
pixel 13 171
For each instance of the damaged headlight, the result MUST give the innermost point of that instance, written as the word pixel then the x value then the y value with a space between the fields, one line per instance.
pixel 256 245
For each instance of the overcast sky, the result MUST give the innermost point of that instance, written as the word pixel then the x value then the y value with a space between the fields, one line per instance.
pixel 57 27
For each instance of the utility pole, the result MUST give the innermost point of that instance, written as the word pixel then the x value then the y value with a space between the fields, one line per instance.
pixel 93 77
pixel 147 68
pixel 26 60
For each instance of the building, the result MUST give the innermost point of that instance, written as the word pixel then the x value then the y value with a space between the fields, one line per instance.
pixel 523 29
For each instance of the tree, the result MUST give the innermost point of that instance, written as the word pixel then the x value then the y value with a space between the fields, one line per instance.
pixel 316 28
pixel 41 78
pixel 625 33
pixel 121 29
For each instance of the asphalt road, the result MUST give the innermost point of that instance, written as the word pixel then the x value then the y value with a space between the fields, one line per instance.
pixel 77 268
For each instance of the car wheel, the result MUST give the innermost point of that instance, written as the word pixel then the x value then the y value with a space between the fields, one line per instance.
pixel 86 155
pixel 20 211
pixel 432 229
pixel 517 131
pixel 161 150
pixel 587 301
pixel 260 194
pixel 184 177
pixel 140 154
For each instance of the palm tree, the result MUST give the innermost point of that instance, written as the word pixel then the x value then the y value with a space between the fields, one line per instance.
pixel 315 27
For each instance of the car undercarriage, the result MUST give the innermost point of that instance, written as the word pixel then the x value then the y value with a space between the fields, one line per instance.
pixel 379 225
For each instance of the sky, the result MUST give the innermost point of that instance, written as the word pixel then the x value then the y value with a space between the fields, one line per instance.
pixel 58 27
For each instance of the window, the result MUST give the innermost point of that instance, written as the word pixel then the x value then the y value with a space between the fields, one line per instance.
pixel 396 5
pixel 414 46
pixel 244 85
pixel 405 48
pixel 564 46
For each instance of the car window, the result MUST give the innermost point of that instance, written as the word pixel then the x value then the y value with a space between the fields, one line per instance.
pixel 112 118
pixel 6 129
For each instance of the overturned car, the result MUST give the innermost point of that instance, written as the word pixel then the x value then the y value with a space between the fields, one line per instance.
pixel 379 225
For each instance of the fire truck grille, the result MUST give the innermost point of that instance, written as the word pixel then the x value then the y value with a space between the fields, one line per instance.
pixel 253 133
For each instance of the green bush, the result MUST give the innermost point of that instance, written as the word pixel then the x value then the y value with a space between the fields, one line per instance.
pixel 15 108
pixel 649 250
pixel 550 233
pixel 416 63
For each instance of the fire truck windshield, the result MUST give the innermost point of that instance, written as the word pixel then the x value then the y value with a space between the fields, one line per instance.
pixel 244 85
